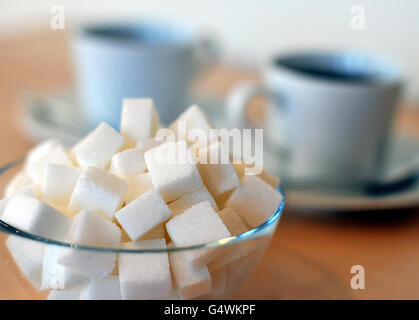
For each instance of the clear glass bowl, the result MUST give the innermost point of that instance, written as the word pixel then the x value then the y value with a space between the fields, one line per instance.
pixel 33 260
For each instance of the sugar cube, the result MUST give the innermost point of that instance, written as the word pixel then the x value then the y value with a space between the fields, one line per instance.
pixel 146 275
pixel 41 149
pixel 139 183
pixel 98 147
pixel 147 144
pixel 128 162
pixel 59 184
pixel 89 263
pixel 56 276
pixel 173 170
pixel 188 200
pixel 216 170
pixel 106 288
pixel 34 216
pixel 272 180
pixel 221 199
pixel 98 191
pixel 31 191
pixel 254 200
pixel 70 294
pixel 219 281
pixel 28 256
pixel 239 270
pixel 155 233
pixel 64 210
pixel 174 295
pixel 232 221
pixel 231 253
pixel 194 119
pixel 236 226
pixel 91 230
pixel 197 225
pixel 139 119
pixel 143 214
pixel 55 155
pixel 190 281
pixel 20 181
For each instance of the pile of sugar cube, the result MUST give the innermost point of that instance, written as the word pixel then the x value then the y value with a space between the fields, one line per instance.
pixel 120 190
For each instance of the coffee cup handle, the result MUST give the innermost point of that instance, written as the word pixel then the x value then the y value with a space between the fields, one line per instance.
pixel 238 100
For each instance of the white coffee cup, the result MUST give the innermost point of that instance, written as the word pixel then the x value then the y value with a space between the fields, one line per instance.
pixel 150 58
pixel 329 114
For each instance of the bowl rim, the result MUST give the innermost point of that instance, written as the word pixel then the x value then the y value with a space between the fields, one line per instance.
pixel 252 233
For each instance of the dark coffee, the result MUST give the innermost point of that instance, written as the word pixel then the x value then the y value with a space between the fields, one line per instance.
pixel 327 72
pixel 142 34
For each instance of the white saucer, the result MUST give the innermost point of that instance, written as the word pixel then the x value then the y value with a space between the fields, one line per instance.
pixel 56 116
pixel 401 149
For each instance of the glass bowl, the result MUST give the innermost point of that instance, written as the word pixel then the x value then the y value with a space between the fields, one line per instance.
pixel 33 260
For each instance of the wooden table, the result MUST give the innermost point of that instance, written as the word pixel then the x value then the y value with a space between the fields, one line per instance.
pixel 309 257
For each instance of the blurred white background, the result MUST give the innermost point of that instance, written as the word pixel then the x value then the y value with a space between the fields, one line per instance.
pixel 250 30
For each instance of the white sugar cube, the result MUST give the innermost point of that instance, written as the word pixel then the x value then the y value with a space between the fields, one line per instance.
pixel 41 149
pixel 145 275
pixel 98 191
pixel 20 181
pixel 91 230
pixel 139 183
pixel 128 162
pixel 28 256
pixel 88 263
pixel 139 119
pixel 59 184
pixel 254 200
pixel 70 294
pixel 143 214
pixel 272 180
pixel 153 234
pixel 190 281
pixel 36 169
pixel 106 288
pixel 231 253
pixel 147 144
pixel 219 281
pixel 216 170
pixel 56 276
pixel 232 221
pixel 34 216
pixel 239 270
pixel 236 226
pixel 174 295
pixel 222 198
pixel 173 170
pixel 98 147
pixel 199 224
pixel 31 191
pixel 64 210
pixel 193 118
pixel 188 200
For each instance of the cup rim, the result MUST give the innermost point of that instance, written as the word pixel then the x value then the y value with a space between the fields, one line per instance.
pixel 387 73
pixel 85 33
pixel 252 233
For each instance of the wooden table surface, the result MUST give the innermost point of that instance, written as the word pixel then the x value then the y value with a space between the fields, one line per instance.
pixel 310 256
